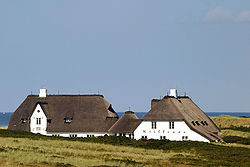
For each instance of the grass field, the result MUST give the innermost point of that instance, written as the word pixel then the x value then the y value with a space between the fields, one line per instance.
pixel 35 150
pixel 30 152
pixel 26 149
pixel 225 121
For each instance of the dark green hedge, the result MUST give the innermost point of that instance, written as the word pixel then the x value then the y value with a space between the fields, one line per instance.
pixel 236 139
pixel 241 128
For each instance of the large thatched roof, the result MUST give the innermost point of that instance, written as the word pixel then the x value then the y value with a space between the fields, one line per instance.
pixel 126 124
pixel 183 108
pixel 89 113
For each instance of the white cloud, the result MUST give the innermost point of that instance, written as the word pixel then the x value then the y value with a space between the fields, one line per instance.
pixel 244 16
pixel 218 14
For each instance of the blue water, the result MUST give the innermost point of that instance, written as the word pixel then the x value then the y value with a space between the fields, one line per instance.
pixel 4 118
pixel 235 114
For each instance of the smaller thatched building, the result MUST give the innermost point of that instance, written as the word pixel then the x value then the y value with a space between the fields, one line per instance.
pixel 126 125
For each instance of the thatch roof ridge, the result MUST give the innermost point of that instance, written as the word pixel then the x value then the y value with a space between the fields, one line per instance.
pixel 33 95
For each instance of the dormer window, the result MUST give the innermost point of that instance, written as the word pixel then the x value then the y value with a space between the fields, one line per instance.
pixel 193 123
pixel 203 123
pixel 49 120
pixel 67 120
pixel 197 123
pixel 24 120
pixel 206 123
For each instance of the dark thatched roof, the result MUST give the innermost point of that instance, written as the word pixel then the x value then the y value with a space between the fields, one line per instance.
pixel 126 124
pixel 89 113
pixel 183 108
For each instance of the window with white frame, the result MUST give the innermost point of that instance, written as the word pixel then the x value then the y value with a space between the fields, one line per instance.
pixel 38 121
pixel 153 125
pixel 171 125
pixel 144 137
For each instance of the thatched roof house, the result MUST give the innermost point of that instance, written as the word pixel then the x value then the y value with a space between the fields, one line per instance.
pixel 126 124
pixel 66 113
pixel 182 108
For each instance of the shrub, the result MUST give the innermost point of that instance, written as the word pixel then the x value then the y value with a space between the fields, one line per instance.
pixel 236 139
pixel 241 128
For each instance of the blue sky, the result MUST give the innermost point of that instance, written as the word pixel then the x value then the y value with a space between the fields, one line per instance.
pixel 130 51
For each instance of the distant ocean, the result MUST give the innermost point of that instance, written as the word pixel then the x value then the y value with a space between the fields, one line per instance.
pixel 5 117
pixel 212 114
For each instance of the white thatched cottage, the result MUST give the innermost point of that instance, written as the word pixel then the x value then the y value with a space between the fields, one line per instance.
pixel 64 115
pixel 173 117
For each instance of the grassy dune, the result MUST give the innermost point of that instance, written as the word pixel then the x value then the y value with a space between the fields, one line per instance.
pixel 4 127
pixel 225 121
pixel 234 129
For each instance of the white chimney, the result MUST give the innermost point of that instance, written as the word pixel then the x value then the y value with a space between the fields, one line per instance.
pixel 43 92
pixel 173 92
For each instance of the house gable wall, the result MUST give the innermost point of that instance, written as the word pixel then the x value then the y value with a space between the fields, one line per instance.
pixel 38 121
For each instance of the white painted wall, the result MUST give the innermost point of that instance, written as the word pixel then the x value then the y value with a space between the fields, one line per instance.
pixel 162 129
pixel 78 134
pixel 38 128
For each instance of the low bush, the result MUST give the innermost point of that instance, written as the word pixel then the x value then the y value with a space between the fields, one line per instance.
pixel 236 139
pixel 241 128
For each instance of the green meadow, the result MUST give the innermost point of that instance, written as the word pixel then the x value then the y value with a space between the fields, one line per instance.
pixel 26 149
